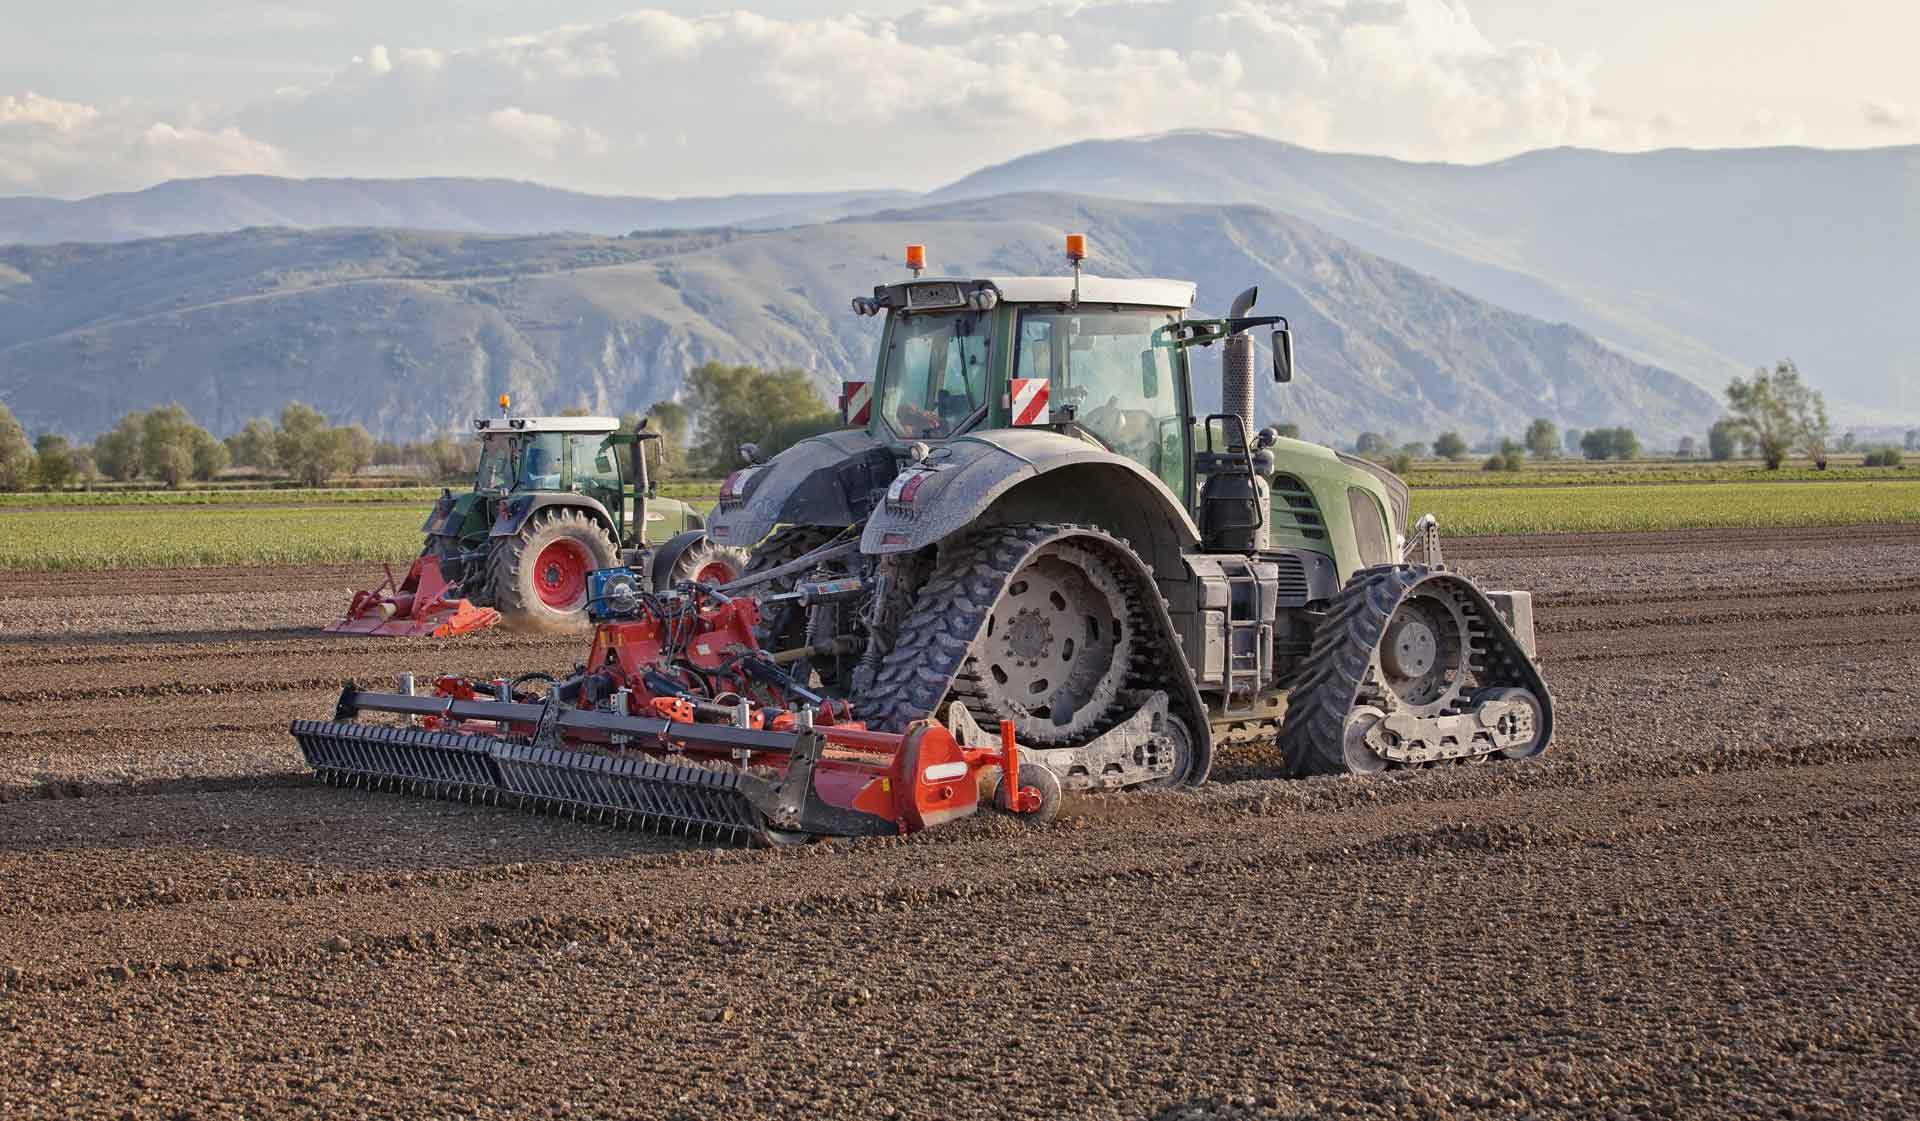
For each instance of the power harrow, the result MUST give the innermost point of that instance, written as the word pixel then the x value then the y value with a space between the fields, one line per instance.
pixel 422 605
pixel 677 721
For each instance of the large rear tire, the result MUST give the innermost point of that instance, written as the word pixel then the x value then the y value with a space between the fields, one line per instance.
pixel 1028 623
pixel 540 575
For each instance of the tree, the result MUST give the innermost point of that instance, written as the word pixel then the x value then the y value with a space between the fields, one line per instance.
pixel 1913 439
pixel 735 405
pixel 1723 440
pixel 16 455
pixel 447 458
pixel 1371 444
pixel 670 419
pixel 1449 445
pixel 252 446
pixel 173 448
pixel 1509 457
pixel 309 448
pixel 1543 438
pixel 1780 413
pixel 359 444
pixel 1849 442
pixel 117 452
pixel 1572 440
pixel 1688 448
pixel 55 458
pixel 1610 443
pixel 166 452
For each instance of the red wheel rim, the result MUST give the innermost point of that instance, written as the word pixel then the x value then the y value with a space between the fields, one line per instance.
pixel 560 575
pixel 715 572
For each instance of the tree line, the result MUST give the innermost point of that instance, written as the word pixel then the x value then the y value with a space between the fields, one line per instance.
pixel 1769 416
pixel 724 407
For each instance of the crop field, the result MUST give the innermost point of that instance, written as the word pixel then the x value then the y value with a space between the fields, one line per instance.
pixel 172 537
pixel 1618 507
pixel 1700 902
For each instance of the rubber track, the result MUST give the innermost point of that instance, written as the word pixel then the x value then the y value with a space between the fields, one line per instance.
pixel 1341 659
pixel 952 609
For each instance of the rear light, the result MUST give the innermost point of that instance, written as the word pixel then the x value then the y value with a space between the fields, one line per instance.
pixel 736 483
pixel 912 486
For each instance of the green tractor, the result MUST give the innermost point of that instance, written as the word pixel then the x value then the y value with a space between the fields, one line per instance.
pixel 553 499
pixel 1026 513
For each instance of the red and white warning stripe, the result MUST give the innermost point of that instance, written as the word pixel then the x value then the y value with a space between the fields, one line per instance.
pixel 1028 401
pixel 858 396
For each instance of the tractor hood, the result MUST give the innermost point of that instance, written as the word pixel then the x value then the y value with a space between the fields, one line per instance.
pixel 1024 474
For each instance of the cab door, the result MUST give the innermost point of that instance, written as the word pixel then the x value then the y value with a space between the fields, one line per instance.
pixel 596 474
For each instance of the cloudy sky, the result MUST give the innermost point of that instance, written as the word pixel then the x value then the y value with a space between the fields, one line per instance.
pixel 693 98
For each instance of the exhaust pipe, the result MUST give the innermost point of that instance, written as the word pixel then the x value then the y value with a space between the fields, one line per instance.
pixel 1236 367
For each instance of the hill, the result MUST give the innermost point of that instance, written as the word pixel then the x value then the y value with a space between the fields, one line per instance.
pixel 411 332
pixel 235 202
pixel 1704 262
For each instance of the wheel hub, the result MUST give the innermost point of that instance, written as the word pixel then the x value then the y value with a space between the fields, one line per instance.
pixel 1411 648
pixel 1422 657
pixel 1055 651
pixel 1029 637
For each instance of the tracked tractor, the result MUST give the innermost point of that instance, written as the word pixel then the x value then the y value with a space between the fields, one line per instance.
pixel 553 499
pixel 1045 528
pixel 1027 566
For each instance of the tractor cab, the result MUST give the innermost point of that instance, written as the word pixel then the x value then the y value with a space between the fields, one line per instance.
pixel 1097 358
pixel 544 454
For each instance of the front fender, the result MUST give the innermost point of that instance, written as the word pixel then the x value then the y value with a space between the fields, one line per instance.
pixel 1028 474
pixel 831 479
pixel 517 509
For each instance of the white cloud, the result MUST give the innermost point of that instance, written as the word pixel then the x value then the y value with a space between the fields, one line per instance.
pixel 49 146
pixel 1890 115
pixel 544 136
pixel 766 103
pixel 931 95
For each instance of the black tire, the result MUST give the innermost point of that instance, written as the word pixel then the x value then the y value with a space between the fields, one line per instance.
pixel 523 590
pixel 948 624
pixel 705 560
pixel 1314 739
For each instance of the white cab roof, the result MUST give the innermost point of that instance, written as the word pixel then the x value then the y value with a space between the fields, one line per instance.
pixel 1094 290
pixel 594 424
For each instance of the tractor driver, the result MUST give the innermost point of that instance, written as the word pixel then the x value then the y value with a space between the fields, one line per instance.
pixel 540 467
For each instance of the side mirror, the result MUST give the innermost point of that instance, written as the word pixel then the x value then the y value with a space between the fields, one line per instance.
pixel 1283 355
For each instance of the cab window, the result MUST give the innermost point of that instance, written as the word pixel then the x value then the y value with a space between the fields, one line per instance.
pixel 1119 370
pixel 540 461
pixel 596 465
pixel 934 376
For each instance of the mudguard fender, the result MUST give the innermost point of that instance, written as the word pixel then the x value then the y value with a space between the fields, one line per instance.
pixel 516 510
pixel 831 479
pixel 1031 474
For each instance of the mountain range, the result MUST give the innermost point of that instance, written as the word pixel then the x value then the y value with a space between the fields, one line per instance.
pixel 410 332
pixel 1563 283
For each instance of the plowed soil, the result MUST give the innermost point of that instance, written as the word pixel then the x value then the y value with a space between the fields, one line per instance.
pixel 1703 901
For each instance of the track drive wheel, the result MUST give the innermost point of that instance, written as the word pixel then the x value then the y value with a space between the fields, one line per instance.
pixel 540 575
pixel 1420 645
pixel 1028 623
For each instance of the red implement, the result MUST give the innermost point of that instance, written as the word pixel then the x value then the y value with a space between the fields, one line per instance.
pixel 420 607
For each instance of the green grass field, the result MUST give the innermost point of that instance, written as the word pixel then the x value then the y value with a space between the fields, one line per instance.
pixel 262 496
pixel 134 537
pixel 1576 509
